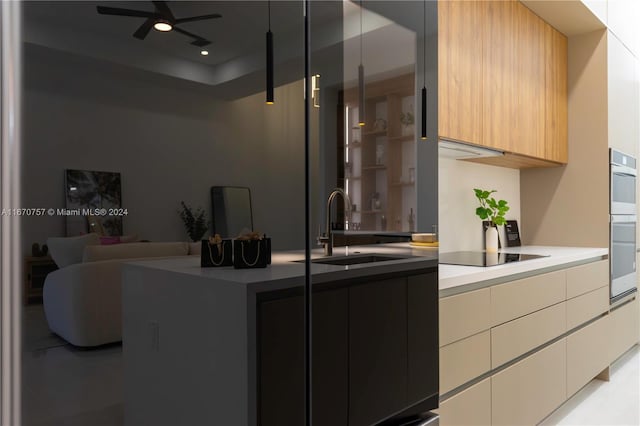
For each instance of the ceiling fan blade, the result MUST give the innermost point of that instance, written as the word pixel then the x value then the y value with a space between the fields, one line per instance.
pixel 144 29
pixel 198 41
pixel 105 10
pixel 162 7
pixel 198 18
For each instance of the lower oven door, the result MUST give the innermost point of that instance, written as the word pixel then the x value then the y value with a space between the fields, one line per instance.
pixel 622 258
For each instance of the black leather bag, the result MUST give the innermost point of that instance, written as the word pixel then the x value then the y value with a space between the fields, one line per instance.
pixel 251 253
pixel 212 256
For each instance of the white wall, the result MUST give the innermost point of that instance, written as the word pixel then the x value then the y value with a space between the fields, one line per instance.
pixel 168 142
pixel 459 227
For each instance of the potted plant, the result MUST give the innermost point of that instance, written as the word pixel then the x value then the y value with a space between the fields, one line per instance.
pixel 194 222
pixel 494 212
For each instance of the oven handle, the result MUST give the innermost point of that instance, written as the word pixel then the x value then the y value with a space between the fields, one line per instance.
pixel 623 218
pixel 623 170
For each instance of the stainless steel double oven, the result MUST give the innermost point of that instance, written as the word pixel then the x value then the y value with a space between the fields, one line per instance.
pixel 623 222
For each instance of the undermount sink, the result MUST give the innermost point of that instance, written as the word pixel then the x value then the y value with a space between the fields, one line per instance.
pixel 356 259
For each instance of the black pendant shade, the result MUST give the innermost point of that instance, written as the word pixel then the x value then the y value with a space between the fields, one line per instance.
pixel 361 95
pixel 269 99
pixel 423 133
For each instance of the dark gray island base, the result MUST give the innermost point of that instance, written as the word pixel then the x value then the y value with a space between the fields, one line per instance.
pixel 223 346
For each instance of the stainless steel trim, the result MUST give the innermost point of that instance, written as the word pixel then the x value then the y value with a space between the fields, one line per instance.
pixel 622 300
pixel 623 218
pixel 623 170
pixel 461 150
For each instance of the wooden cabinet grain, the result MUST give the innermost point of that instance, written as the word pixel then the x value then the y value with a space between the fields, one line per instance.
pixel 459 75
pixel 503 82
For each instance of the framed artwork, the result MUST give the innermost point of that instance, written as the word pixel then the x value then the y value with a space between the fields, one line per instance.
pixel 86 189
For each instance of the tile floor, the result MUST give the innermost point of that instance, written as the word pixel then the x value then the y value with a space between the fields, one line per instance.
pixel 66 386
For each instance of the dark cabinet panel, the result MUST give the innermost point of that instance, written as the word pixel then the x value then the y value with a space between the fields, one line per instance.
pixel 281 359
pixel 281 362
pixel 422 315
pixel 377 350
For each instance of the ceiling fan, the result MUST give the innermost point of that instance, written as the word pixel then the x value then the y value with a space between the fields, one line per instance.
pixel 161 19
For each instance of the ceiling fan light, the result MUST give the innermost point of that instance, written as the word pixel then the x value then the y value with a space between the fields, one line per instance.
pixel 162 26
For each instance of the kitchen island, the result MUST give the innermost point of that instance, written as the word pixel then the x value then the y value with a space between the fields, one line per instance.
pixel 226 346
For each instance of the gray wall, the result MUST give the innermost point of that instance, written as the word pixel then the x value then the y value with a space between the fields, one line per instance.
pixel 169 142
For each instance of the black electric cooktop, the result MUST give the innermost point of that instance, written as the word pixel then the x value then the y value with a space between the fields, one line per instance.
pixel 481 258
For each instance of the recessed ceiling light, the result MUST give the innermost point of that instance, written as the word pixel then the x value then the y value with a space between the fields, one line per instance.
pixel 162 26
pixel 204 52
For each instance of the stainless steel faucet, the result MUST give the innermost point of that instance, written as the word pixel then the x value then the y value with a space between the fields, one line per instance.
pixel 326 239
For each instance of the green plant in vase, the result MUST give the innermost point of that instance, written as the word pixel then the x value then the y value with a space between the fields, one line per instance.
pixel 194 222
pixel 492 210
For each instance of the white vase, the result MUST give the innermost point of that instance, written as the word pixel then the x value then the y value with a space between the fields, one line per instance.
pixel 491 239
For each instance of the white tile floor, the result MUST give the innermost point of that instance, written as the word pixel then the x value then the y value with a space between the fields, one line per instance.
pixel 65 386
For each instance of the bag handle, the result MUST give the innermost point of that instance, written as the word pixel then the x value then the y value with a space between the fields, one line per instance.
pixel 211 256
pixel 257 256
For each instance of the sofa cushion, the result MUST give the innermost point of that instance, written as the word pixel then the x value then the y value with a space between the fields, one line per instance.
pixel 134 250
pixel 66 251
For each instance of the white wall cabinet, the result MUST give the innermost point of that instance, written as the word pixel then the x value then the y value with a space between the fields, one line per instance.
pixel 624 133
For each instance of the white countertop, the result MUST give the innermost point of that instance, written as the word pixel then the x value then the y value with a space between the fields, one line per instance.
pixel 285 272
pixel 454 279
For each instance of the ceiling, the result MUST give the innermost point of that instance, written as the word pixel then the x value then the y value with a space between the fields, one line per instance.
pixel 237 52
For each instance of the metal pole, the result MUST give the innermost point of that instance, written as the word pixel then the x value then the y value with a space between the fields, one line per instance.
pixel 10 245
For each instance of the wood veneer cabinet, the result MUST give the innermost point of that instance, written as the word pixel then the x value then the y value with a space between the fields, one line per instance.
pixel 502 82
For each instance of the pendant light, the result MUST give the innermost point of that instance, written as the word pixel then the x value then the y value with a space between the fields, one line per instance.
pixel 423 133
pixel 361 78
pixel 269 99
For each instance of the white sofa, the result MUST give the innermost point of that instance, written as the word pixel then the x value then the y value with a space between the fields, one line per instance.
pixel 83 301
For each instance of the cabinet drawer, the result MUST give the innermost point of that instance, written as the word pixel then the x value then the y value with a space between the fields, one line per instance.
pixel 470 407
pixel 586 278
pixel 623 328
pixel 517 337
pixel 526 392
pixel 587 354
pixel 464 360
pixel 518 298
pixel 464 315
pixel 587 306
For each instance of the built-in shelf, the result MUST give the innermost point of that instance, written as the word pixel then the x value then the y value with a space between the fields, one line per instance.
pixel 375 167
pixel 372 212
pixel 403 138
pixel 403 184
pixel 375 133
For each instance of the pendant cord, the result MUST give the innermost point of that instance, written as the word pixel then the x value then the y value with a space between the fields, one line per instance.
pixel 269 13
pixel 424 44
pixel 360 32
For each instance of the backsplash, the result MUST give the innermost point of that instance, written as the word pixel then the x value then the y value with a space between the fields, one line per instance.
pixel 459 227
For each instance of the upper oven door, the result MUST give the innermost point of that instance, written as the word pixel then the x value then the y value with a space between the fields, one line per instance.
pixel 623 190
